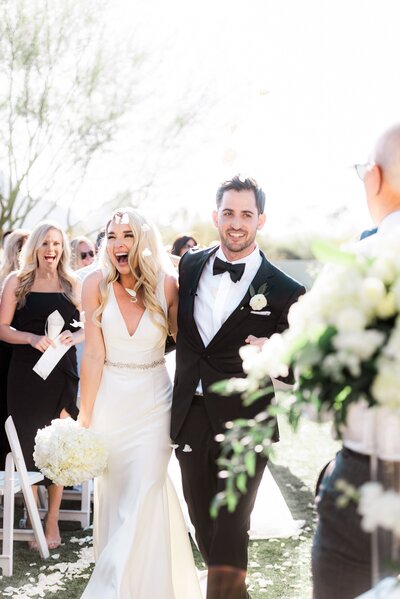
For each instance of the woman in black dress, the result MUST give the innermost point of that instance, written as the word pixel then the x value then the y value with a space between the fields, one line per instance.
pixel 44 283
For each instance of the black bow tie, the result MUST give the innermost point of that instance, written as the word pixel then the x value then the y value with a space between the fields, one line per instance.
pixel 235 270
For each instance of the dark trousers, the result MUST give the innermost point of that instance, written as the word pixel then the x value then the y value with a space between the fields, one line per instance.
pixel 224 540
pixel 341 552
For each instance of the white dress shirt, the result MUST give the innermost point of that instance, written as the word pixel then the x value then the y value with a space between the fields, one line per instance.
pixel 374 430
pixel 217 296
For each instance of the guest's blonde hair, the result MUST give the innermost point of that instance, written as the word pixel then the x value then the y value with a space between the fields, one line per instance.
pixel 12 251
pixel 29 263
pixel 147 260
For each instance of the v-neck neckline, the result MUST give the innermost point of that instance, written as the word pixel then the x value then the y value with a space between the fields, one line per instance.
pixel 123 319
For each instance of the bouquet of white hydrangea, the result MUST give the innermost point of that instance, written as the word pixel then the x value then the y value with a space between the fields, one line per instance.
pixel 69 454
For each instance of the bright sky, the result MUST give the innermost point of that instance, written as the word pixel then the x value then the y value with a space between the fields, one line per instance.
pixel 295 92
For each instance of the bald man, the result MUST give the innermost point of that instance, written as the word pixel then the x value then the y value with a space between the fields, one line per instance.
pixel 341 553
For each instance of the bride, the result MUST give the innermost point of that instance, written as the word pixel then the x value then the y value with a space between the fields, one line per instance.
pixel 142 549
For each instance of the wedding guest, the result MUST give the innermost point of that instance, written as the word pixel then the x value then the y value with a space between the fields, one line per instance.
pixel 182 244
pixel 215 320
pixel 11 254
pixel 82 273
pixel 4 237
pixel 341 553
pixel 82 252
pixel 9 263
pixel 43 284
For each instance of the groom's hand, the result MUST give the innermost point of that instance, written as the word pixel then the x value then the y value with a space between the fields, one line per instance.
pixel 252 340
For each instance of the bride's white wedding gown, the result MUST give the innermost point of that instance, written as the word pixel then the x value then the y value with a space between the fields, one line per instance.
pixel 141 544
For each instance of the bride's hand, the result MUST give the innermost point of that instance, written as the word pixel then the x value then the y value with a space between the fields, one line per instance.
pixel 83 420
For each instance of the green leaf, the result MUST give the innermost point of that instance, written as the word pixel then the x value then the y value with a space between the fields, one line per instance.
pixel 250 463
pixel 263 288
pixel 252 290
pixel 231 501
pixel 325 251
pixel 241 482
pixel 219 387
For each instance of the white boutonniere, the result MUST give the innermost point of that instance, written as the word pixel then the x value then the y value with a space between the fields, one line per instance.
pixel 258 300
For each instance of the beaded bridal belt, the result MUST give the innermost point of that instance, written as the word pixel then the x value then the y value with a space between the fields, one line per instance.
pixel 134 365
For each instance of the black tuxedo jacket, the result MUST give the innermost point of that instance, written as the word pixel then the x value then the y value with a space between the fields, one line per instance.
pixel 220 358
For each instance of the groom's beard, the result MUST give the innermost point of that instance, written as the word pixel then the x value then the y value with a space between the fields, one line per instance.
pixel 236 247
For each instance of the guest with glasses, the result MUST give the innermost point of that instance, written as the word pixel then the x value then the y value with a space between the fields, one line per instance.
pixel 341 553
pixel 82 252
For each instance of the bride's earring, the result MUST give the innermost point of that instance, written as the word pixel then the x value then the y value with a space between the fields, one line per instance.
pixel 132 294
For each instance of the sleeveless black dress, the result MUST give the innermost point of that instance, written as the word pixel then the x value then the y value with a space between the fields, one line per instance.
pixel 32 402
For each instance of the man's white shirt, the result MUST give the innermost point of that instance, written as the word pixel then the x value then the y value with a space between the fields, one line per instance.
pixel 217 296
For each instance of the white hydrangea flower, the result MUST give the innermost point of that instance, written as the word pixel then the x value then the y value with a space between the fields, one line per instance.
pixel 372 291
pixel 350 318
pixel 273 354
pixel 387 306
pixel 69 454
pixel 362 344
pixel 386 385
pixel 379 508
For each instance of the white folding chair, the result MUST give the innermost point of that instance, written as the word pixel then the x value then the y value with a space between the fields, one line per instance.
pixel 83 495
pixel 12 482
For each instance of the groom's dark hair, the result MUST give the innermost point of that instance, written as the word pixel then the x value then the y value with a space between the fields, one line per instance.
pixel 241 183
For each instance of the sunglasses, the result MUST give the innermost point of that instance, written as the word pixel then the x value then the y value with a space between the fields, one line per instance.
pixel 85 254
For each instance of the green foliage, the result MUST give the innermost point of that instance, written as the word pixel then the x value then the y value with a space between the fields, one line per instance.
pixel 326 251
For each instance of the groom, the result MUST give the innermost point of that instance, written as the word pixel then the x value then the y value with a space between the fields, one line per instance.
pixel 215 319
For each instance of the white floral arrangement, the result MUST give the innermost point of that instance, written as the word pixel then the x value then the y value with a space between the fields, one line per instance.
pixel 69 454
pixel 343 343
pixel 343 339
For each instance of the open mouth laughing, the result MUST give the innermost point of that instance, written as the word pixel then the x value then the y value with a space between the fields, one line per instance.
pixel 50 258
pixel 122 257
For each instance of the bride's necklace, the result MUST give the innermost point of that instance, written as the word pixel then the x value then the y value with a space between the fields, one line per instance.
pixel 132 293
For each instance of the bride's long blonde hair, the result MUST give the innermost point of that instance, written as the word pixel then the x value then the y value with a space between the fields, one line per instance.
pixel 29 263
pixel 147 260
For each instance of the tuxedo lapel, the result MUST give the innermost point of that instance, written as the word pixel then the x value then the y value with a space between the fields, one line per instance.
pixel 263 275
pixel 196 269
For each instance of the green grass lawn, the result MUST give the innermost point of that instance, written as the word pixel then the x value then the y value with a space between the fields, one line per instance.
pixel 278 568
